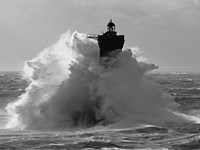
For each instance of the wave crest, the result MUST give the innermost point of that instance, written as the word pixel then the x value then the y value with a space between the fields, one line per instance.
pixel 71 87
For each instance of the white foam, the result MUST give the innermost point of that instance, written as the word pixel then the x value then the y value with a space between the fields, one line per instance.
pixel 70 88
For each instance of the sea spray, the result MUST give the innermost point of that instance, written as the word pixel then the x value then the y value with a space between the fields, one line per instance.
pixel 70 86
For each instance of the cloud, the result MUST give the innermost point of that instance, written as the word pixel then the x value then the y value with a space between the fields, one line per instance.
pixel 130 7
pixel 167 14
pixel 183 13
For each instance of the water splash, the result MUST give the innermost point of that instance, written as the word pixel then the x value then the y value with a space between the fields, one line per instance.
pixel 71 87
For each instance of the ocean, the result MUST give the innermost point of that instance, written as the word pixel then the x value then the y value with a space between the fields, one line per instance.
pixel 67 99
pixel 184 87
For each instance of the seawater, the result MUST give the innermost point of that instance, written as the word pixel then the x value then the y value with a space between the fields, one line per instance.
pixel 172 135
pixel 66 98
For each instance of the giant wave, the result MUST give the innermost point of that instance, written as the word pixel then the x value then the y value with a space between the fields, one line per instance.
pixel 71 87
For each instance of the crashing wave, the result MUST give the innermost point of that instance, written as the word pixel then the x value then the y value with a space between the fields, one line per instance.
pixel 71 87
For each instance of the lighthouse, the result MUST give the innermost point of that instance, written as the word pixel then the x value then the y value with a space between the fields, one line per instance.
pixel 110 41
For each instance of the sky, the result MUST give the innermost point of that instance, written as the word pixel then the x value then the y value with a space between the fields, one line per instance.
pixel 167 31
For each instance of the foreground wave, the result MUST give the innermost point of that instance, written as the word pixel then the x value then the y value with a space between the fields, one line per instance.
pixel 70 87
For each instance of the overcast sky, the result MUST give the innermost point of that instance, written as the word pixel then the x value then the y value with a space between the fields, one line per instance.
pixel 168 31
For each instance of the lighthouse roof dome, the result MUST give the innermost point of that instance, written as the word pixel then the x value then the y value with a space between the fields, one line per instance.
pixel 111 24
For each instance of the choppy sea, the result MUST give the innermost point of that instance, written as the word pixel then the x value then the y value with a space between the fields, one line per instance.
pixel 185 87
